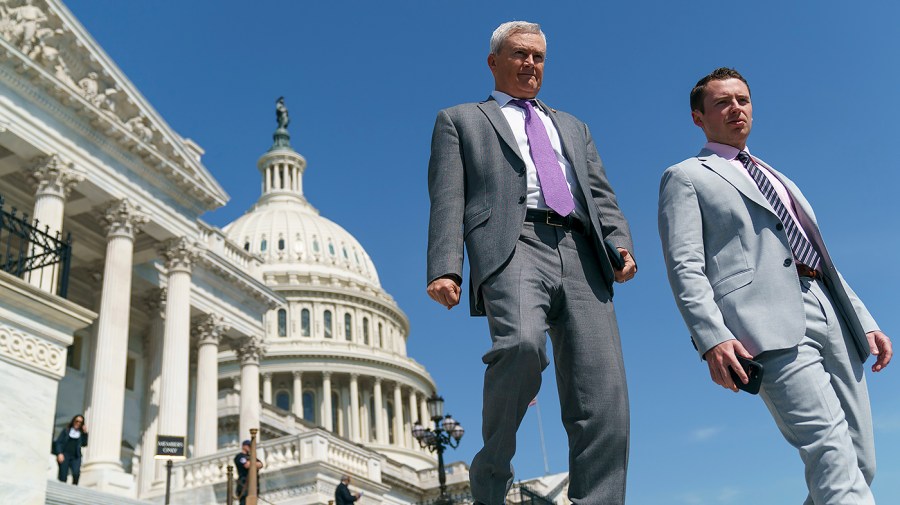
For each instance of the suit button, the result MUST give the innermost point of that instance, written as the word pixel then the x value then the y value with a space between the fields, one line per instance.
pixel 521 199
pixel 779 226
pixel 787 262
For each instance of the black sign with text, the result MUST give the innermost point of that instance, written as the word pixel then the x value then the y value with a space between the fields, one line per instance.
pixel 169 447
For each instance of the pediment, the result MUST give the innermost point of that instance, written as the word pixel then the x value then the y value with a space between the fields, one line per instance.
pixel 47 45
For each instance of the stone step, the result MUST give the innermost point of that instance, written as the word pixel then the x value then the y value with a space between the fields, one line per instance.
pixel 59 493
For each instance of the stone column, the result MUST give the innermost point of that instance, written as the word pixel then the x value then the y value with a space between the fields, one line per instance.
pixel 298 395
pixel 326 400
pixel 250 351
pixel 379 413
pixel 53 180
pixel 354 407
pixel 155 305
pixel 179 254
pixel 423 413
pixel 206 420
pixel 267 388
pixel 413 415
pixel 399 439
pixel 102 466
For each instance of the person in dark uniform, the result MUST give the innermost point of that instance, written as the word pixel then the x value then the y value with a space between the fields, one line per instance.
pixel 242 463
pixel 67 448
pixel 342 494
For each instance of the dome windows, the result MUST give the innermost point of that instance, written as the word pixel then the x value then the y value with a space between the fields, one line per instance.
pixel 330 248
pixel 283 400
pixel 247 245
pixel 328 324
pixel 366 330
pixel 304 322
pixel 282 323
pixel 264 244
pixel 280 243
pixel 348 327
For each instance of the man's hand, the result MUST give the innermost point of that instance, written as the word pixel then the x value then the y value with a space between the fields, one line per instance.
pixel 721 357
pixel 627 272
pixel 60 458
pixel 444 291
pixel 880 346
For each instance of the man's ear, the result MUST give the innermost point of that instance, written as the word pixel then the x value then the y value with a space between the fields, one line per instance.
pixel 491 61
pixel 696 117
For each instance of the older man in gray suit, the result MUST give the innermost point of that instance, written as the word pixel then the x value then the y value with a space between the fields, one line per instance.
pixel 522 186
pixel 752 278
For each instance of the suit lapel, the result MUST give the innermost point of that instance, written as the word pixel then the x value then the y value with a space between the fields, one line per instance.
pixel 728 172
pixel 491 109
pixel 804 209
pixel 568 138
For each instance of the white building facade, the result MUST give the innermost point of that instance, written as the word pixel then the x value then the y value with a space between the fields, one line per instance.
pixel 161 324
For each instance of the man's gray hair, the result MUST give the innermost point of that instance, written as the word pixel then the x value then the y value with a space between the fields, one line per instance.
pixel 509 28
pixel 345 478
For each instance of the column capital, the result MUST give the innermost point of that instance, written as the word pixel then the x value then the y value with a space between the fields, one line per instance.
pixel 179 254
pixel 354 375
pixel 298 374
pixel 267 376
pixel 209 329
pixel 326 374
pixel 124 219
pixel 377 380
pixel 250 350
pixel 52 175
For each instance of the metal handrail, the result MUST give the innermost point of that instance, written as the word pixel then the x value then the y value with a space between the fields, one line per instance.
pixel 27 251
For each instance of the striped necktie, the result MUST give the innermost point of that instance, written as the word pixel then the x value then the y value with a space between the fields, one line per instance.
pixel 803 250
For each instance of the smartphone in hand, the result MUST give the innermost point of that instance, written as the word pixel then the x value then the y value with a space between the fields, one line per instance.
pixel 754 371
pixel 615 257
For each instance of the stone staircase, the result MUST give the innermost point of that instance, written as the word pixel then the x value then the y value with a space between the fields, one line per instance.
pixel 59 493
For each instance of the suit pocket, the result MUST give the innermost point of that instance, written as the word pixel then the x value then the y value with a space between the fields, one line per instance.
pixel 732 282
pixel 474 220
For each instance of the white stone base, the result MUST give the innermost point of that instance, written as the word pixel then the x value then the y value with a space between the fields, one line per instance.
pixel 109 480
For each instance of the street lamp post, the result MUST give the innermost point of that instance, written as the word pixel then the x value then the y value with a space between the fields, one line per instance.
pixel 446 433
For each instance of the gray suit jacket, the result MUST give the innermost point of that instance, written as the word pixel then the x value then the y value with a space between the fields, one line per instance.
pixel 476 181
pixel 730 265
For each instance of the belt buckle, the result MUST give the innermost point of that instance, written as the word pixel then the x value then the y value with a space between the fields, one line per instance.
pixel 547 220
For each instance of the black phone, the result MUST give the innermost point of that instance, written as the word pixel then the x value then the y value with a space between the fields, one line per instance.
pixel 754 371
pixel 615 257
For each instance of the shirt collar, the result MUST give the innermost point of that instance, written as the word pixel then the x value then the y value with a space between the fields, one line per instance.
pixel 724 150
pixel 503 100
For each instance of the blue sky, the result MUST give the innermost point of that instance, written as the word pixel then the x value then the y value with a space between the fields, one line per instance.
pixel 364 81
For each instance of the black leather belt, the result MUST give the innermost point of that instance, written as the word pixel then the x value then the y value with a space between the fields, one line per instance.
pixel 553 219
pixel 805 271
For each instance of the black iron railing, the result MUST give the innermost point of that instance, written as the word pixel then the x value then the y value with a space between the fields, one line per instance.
pixel 32 254
pixel 532 497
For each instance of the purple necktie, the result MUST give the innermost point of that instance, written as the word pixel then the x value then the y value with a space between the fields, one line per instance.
pixel 553 183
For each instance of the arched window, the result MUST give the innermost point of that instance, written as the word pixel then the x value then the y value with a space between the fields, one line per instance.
pixel 390 423
pixel 309 406
pixel 281 244
pixel 331 248
pixel 282 323
pixel 366 330
pixel 380 335
pixel 283 400
pixel 345 254
pixel 263 245
pixel 247 246
pixel 348 327
pixel 304 322
pixel 327 324
pixel 315 244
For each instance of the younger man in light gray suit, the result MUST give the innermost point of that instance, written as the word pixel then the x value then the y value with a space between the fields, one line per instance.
pixel 752 277
pixel 522 186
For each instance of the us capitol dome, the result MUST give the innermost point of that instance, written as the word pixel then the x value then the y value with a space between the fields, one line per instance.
pixel 335 354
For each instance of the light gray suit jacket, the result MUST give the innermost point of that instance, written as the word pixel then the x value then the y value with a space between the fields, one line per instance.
pixel 730 265
pixel 476 181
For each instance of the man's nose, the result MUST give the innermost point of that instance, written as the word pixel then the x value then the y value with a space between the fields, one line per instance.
pixel 529 60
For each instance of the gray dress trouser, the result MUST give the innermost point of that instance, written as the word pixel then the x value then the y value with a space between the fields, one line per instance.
pixel 553 284
pixel 817 394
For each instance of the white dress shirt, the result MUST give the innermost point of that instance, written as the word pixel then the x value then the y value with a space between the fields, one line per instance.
pixel 515 116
